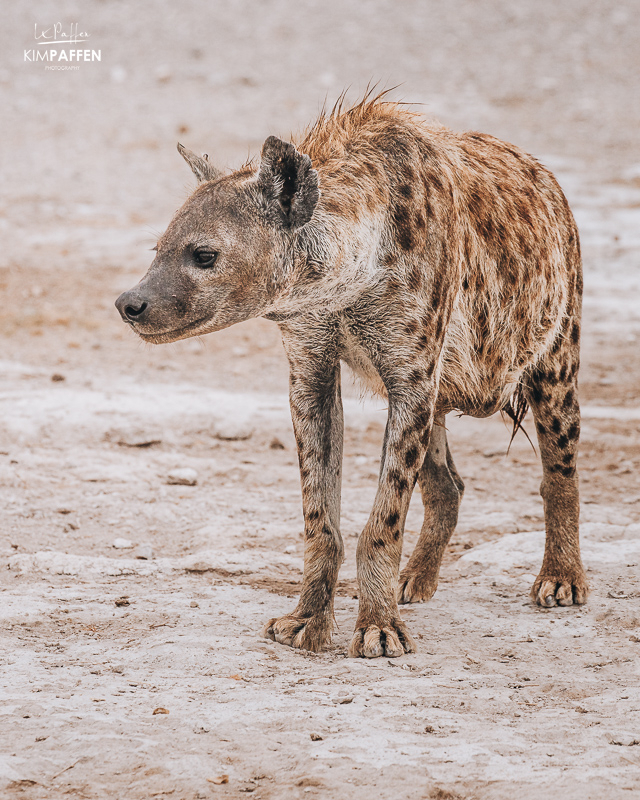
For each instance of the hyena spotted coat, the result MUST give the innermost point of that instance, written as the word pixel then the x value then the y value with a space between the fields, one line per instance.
pixel 445 270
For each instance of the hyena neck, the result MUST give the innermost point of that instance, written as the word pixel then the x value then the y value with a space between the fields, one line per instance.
pixel 332 265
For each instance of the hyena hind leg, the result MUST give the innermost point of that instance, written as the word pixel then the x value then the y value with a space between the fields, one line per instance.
pixel 442 489
pixel 553 395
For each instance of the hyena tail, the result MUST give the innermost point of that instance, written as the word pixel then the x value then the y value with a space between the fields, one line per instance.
pixel 516 409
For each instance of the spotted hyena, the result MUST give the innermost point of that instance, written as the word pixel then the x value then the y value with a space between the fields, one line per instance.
pixel 445 270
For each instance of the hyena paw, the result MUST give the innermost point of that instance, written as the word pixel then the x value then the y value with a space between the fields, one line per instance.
pixel 306 633
pixel 563 590
pixel 373 641
pixel 416 587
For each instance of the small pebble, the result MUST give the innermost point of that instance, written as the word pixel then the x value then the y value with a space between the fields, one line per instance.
pixel 315 737
pixel 193 604
pixel 182 477
pixel 219 779
pixel 123 601
pixel 233 431
pixel 144 552
pixel 57 378
pixel 122 544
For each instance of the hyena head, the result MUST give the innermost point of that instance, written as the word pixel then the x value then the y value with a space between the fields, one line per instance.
pixel 228 254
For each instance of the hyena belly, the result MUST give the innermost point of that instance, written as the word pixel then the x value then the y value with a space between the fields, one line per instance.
pixel 519 281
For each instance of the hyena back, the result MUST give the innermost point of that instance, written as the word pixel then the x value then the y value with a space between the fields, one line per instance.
pixel 445 270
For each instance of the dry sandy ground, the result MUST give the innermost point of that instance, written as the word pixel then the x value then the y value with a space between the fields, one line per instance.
pixel 503 699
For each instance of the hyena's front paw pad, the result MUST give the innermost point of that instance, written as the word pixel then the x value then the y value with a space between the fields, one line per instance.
pixel 549 590
pixel 416 587
pixel 306 633
pixel 391 640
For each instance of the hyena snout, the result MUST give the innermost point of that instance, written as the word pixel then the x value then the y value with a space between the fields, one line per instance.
pixel 132 307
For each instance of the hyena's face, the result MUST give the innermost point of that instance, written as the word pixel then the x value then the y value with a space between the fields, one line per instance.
pixel 212 268
pixel 223 258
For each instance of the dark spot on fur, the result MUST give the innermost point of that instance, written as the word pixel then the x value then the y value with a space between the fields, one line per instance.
pixel 422 419
pixel 416 377
pixel 332 206
pixel 573 432
pixel 567 458
pixel 402 220
pixel 411 327
pixel 556 425
pixel 436 290
pixel 396 535
pixel 439 326
pixel 575 333
pixel 568 399
pixel 398 481
pixel 313 515
pixel 393 287
pixel 411 456
pixel 568 471
pixel 541 429
pixel 434 180
pixel 406 190
pixel 563 373
pixel 378 543
pixel 563 441
pixel 392 519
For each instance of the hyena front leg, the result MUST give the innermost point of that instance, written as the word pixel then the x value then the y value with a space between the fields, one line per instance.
pixel 379 629
pixel 316 410
pixel 442 489
pixel 553 395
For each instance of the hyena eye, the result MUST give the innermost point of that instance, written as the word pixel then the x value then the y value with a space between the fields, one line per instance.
pixel 205 258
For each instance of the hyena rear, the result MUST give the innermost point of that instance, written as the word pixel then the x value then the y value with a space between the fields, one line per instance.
pixel 445 270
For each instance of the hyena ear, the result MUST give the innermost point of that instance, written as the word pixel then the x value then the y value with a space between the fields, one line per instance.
pixel 288 182
pixel 201 166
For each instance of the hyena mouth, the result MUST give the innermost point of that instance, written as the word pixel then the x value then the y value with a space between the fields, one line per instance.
pixel 162 337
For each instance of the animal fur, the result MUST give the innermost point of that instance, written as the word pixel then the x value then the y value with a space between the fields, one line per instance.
pixel 444 268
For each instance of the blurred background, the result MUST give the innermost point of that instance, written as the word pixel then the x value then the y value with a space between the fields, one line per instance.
pixel 559 79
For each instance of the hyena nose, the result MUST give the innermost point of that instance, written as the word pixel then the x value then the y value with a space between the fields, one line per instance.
pixel 131 307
